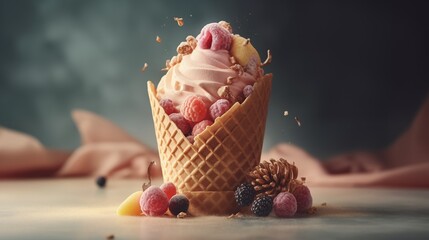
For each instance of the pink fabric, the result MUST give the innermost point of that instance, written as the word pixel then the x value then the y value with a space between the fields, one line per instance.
pixel 108 150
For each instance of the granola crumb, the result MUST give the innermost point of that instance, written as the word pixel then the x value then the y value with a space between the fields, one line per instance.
pixel 238 68
pixel 179 21
pixel 182 215
pixel 297 121
pixel 144 67
pixel 158 39
pixel 285 113
pixel 110 237
pixel 269 58
pixel 229 80
pixel 324 204
pixel 236 215
pixel 225 25
pixel 312 210
pixel 303 179
pixel 184 48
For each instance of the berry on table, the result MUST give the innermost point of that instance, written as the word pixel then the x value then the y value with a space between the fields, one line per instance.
pixel 180 122
pixel 284 205
pixel 178 203
pixel 168 106
pixel 218 108
pixel 101 181
pixel 194 108
pixel 199 127
pixel 169 189
pixel 262 206
pixel 153 201
pixel 244 194
pixel 303 197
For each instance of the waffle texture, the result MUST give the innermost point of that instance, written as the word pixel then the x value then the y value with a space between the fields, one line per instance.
pixel 209 170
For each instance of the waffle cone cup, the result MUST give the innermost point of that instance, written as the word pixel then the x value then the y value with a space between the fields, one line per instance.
pixel 209 170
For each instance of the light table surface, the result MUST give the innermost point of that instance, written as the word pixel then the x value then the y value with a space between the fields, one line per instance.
pixel 78 209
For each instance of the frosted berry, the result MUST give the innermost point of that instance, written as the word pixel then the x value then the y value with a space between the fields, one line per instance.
pixel 169 189
pixel 194 108
pixel 247 90
pixel 284 205
pixel 168 106
pixel 244 194
pixel 218 108
pixel 215 37
pixel 199 127
pixel 101 181
pixel 262 206
pixel 153 201
pixel 178 203
pixel 303 197
pixel 180 122
pixel 191 138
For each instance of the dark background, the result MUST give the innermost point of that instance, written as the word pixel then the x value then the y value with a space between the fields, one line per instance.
pixel 354 72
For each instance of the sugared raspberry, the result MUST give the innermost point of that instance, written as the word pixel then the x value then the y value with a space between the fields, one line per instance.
pixel 215 37
pixel 153 201
pixel 194 108
pixel 199 127
pixel 178 203
pixel 218 108
pixel 169 189
pixel 247 90
pixel 284 205
pixel 190 138
pixel 168 106
pixel 180 122
pixel 303 197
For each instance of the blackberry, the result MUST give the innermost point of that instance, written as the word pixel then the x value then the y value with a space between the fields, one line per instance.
pixel 178 203
pixel 244 194
pixel 101 181
pixel 262 206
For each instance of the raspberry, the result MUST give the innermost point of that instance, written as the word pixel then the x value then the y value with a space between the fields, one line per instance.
pixel 213 36
pixel 178 203
pixel 101 181
pixel 199 127
pixel 153 201
pixel 168 106
pixel 218 108
pixel 244 194
pixel 247 90
pixel 194 109
pixel 190 138
pixel 284 205
pixel 180 122
pixel 303 197
pixel 262 206
pixel 169 189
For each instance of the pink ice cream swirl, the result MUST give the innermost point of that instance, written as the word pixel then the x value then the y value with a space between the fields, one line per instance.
pixel 202 73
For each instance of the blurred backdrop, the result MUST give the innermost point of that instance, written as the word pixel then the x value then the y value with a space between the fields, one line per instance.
pixel 354 72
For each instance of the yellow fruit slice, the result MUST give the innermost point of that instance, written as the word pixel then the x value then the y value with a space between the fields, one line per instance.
pixel 130 206
pixel 243 51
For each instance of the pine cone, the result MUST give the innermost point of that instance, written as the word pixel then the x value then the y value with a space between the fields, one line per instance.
pixel 272 177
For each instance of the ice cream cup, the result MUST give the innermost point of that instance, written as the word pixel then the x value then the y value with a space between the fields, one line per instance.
pixel 208 170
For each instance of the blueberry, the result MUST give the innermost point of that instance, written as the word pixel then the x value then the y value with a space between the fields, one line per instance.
pixel 101 181
pixel 178 203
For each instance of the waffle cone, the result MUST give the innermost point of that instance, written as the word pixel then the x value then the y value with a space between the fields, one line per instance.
pixel 209 170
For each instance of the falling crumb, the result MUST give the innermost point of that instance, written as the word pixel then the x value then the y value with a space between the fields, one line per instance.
pixel 303 179
pixel 181 215
pixel 269 58
pixel 324 204
pixel 111 236
pixel 285 113
pixel 297 121
pixel 179 21
pixel 246 42
pixel 144 67
pixel 158 39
